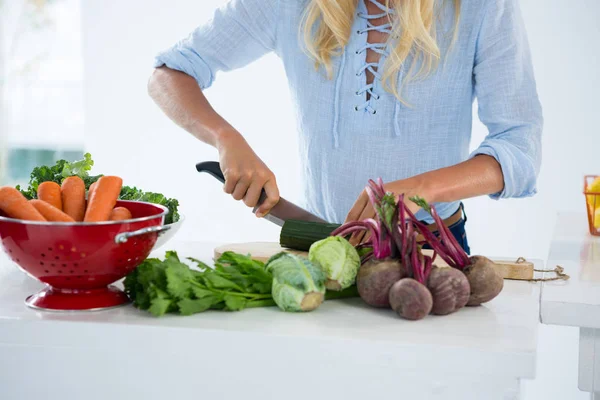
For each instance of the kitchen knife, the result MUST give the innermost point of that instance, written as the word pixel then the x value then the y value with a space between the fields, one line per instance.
pixel 281 212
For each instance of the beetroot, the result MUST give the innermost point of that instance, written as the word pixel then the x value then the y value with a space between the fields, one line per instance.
pixel 483 279
pixel 375 278
pixel 394 256
pixel 410 299
pixel 484 282
pixel 450 290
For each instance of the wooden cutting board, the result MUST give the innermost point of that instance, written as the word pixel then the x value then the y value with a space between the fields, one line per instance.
pixel 262 251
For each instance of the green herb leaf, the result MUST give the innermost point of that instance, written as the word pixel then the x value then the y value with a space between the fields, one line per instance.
pixel 160 303
pixel 178 281
pixel 133 193
pixel 421 203
pixel 79 168
pixel 234 303
pixel 200 264
pixel 200 293
pixel 218 282
pixel 194 306
pixel 262 288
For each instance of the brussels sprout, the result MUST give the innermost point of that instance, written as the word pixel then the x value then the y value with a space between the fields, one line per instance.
pixel 338 258
pixel 298 284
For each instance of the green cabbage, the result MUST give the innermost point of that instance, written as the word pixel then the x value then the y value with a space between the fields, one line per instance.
pixel 298 284
pixel 338 258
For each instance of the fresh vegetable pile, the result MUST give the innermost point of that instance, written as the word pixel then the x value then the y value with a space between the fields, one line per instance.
pixel 46 179
pixel 388 270
pixel 396 274
pixel 235 283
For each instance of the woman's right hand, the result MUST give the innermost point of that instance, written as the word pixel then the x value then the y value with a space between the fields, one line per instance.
pixel 246 175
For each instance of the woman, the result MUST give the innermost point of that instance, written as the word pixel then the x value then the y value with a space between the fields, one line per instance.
pixel 382 89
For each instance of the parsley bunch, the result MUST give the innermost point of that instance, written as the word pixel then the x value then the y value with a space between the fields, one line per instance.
pixel 171 286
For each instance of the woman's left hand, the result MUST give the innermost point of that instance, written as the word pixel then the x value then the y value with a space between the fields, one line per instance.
pixel 363 209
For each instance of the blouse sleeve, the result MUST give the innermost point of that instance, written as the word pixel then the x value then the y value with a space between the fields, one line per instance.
pixel 507 98
pixel 239 32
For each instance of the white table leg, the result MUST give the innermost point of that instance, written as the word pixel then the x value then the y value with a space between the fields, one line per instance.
pixel 589 361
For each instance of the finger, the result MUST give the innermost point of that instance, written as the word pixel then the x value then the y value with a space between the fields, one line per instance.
pixel 240 189
pixel 231 181
pixel 272 199
pixel 358 207
pixel 253 194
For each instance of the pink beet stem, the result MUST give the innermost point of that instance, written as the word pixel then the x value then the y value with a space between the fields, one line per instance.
pixel 428 265
pixel 432 240
pixel 455 250
pixel 374 201
pixel 367 257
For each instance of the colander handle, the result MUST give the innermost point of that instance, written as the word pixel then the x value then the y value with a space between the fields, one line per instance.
pixel 125 236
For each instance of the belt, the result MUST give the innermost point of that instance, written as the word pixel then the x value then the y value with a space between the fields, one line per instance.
pixel 451 220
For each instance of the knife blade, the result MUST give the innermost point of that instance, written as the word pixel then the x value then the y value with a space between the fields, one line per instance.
pixel 284 210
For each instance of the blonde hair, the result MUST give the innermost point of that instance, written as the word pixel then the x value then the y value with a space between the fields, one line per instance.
pixel 327 27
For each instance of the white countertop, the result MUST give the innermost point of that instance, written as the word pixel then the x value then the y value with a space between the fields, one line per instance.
pixel 575 302
pixel 497 340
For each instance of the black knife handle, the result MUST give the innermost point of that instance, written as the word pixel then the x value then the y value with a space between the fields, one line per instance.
pixel 214 168
pixel 211 167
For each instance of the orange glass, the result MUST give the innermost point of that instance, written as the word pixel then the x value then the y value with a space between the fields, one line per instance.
pixel 592 200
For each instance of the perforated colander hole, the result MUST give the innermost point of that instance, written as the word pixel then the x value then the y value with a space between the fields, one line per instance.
pixel 9 250
pixel 60 271
pixel 76 265
pixel 49 248
pixel 57 258
pixel 79 277
pixel 53 265
pixel 41 263
pixel 43 255
pixel 86 271
pixel 18 260
pixel 46 271
pixel 71 272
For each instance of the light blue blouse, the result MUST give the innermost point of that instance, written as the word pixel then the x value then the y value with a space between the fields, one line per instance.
pixel 346 139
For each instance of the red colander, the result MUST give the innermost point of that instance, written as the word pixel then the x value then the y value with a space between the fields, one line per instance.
pixel 79 261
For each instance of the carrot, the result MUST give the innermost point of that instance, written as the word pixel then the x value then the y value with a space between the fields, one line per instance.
pixel 15 205
pixel 103 200
pixel 91 189
pixel 119 214
pixel 50 193
pixel 73 197
pixel 50 212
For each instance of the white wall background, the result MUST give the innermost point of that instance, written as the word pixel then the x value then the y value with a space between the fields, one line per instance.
pixel 128 135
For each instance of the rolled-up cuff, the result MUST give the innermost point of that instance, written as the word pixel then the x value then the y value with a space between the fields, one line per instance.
pixel 519 176
pixel 188 62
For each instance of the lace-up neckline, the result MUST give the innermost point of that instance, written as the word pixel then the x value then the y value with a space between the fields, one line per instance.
pixel 379 48
pixel 367 91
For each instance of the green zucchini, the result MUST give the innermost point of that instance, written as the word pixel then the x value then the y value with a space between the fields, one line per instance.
pixel 300 235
